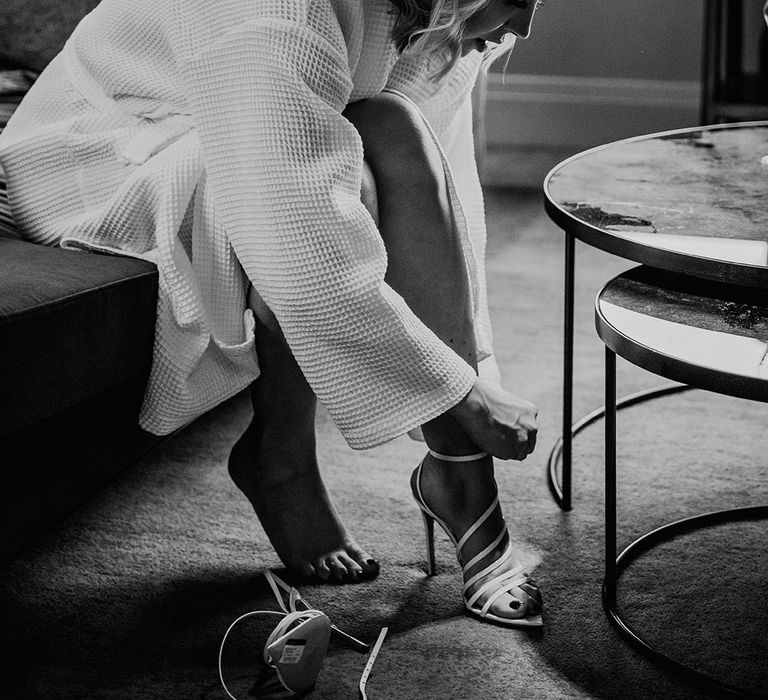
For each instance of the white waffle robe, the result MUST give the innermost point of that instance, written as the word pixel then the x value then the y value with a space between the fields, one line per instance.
pixel 208 138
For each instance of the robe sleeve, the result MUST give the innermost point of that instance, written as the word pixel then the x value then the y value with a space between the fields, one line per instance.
pixel 285 170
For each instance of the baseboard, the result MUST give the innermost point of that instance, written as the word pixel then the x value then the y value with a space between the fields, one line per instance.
pixel 533 121
pixel 522 168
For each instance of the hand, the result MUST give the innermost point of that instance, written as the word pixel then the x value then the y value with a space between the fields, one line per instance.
pixel 497 421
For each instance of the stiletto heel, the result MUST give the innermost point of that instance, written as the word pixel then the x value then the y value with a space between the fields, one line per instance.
pixel 500 577
pixel 429 533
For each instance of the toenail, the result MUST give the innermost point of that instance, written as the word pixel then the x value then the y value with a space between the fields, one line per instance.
pixel 371 562
pixel 515 604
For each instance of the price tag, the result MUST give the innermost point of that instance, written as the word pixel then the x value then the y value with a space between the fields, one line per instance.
pixel 293 651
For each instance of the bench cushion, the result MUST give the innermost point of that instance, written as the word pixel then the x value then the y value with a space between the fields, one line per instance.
pixel 72 324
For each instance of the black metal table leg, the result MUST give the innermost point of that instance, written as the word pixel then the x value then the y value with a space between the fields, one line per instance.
pixel 642 544
pixel 597 414
pixel 614 566
pixel 561 453
pixel 570 261
pixel 562 448
pixel 609 585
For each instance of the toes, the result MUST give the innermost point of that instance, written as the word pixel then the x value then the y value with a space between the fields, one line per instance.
pixel 308 572
pixel 532 590
pixel 339 572
pixel 322 570
pixel 355 571
pixel 519 603
pixel 509 607
pixel 529 598
pixel 370 567
pixel 341 566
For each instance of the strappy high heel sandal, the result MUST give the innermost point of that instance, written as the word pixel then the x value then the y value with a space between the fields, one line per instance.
pixel 511 579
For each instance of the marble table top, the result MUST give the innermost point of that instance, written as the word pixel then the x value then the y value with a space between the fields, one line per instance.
pixel 707 334
pixel 694 200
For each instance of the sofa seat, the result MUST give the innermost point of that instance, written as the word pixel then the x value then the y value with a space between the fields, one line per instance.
pixel 72 325
pixel 76 337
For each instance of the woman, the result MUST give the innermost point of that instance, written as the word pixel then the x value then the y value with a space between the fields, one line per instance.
pixel 224 142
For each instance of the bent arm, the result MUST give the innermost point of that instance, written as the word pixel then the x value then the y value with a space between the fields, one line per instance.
pixel 285 168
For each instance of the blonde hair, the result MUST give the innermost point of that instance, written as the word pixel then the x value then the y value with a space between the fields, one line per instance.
pixel 436 27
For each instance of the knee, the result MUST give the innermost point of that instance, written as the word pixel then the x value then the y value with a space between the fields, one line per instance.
pixel 396 141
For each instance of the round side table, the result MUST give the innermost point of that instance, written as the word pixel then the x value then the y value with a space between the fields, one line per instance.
pixel 708 335
pixel 690 201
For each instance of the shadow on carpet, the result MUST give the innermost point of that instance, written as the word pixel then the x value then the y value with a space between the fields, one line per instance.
pixel 130 597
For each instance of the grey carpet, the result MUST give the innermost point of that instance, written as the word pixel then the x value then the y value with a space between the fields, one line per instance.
pixel 130 596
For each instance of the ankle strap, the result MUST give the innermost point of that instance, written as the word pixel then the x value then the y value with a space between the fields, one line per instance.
pixel 458 458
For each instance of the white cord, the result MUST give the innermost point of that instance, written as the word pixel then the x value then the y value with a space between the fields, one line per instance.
pixel 290 617
pixel 226 634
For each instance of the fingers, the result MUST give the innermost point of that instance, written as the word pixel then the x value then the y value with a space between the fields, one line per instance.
pixel 517 447
pixel 532 434
pixel 527 442
pixel 501 423
pixel 521 448
pixel 526 435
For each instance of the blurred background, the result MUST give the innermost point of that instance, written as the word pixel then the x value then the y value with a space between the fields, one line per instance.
pixel 595 71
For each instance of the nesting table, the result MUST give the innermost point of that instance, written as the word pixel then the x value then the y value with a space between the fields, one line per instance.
pixel 692 206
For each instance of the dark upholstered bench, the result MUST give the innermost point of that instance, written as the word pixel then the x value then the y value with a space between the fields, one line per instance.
pixel 76 335
pixel 76 332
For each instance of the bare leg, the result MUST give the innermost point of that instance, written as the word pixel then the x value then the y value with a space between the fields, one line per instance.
pixel 427 269
pixel 275 464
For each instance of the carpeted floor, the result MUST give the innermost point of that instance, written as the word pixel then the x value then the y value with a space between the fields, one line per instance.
pixel 130 596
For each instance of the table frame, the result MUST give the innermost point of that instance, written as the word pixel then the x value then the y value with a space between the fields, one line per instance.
pixel 706 268
pixel 704 378
pixel 616 565
pixel 573 228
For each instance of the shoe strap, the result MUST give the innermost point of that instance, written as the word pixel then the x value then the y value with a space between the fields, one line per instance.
pixel 494 584
pixel 517 575
pixel 424 507
pixel 458 458
pixel 478 523
pixel 294 599
pixel 517 578
pixel 274 581
pixel 506 555
pixel 472 528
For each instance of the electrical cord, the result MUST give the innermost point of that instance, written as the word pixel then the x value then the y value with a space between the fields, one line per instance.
pixel 291 617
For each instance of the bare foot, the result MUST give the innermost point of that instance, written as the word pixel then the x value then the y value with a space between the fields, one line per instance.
pixel 459 493
pixel 282 481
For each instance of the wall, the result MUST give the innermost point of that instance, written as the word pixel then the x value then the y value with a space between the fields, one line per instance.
pixel 592 71
pixel 32 32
